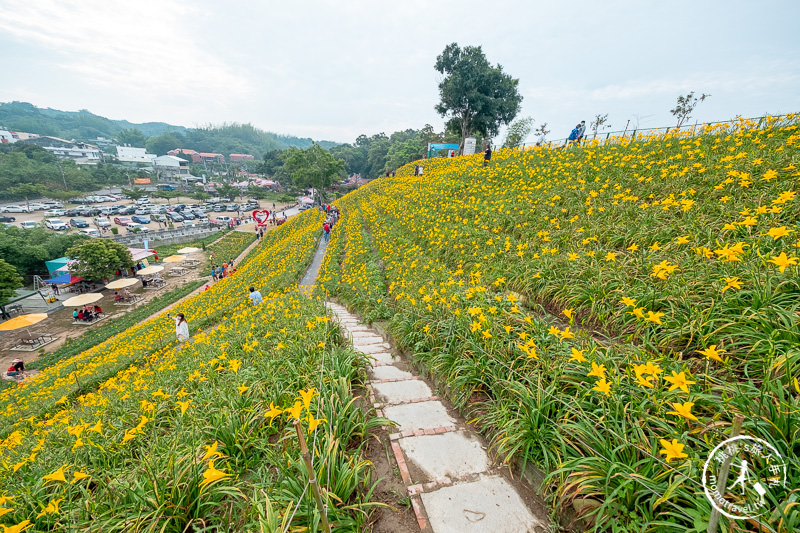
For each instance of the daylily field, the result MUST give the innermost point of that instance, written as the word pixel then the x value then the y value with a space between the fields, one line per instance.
pixel 601 313
pixel 140 434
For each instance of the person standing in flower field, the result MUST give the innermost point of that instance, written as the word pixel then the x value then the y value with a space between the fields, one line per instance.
pixel 255 296
pixel 181 326
pixel 581 131
pixel 573 135
pixel 487 154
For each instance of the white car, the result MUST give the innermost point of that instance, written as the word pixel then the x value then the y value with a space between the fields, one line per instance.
pixel 36 206
pixel 54 205
pixel 189 224
pixel 16 209
pixel 91 232
pixel 102 222
pixel 29 224
pixel 56 224
pixel 55 213
pixel 133 226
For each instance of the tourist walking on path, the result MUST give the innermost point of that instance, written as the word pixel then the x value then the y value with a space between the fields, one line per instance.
pixel 181 326
pixel 487 155
pixel 326 230
pixel 255 296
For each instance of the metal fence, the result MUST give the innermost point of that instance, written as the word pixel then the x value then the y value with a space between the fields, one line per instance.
pixel 686 130
pixel 189 233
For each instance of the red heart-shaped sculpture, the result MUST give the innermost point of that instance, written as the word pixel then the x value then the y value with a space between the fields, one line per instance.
pixel 261 217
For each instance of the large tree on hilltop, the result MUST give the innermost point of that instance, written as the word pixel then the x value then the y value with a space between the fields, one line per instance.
pixel 477 96
pixel 314 167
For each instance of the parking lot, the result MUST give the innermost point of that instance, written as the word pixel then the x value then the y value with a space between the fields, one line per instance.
pixel 129 215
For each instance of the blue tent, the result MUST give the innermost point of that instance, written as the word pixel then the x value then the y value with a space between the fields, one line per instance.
pixel 63 278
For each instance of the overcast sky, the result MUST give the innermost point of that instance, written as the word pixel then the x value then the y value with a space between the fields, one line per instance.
pixel 335 69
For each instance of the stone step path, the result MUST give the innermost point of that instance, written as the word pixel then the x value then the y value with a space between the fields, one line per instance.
pixel 453 485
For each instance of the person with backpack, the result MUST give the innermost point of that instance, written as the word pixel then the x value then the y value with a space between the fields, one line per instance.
pixel 573 135
pixel 326 229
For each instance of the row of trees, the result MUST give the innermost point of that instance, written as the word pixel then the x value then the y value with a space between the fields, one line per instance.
pixel 29 171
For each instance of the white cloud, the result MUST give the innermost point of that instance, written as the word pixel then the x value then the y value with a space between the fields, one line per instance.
pixel 138 49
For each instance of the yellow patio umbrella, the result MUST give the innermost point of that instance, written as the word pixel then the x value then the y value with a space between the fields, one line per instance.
pixel 82 299
pixel 22 321
pixel 174 258
pixel 189 250
pixel 122 283
pixel 150 270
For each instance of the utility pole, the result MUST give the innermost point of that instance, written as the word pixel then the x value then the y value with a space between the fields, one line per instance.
pixel 64 179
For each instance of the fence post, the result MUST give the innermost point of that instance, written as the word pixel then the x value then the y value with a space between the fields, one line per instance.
pixel 722 481
pixel 312 477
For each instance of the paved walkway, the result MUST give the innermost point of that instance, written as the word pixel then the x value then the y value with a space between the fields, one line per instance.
pixel 306 284
pixel 453 485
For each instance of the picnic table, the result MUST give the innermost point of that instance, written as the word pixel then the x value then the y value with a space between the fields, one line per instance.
pixel 32 342
pixel 178 271
pixel 191 263
pixel 128 300
pixel 154 284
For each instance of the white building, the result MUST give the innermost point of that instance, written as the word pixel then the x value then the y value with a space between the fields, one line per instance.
pixel 130 154
pixel 6 137
pixel 170 166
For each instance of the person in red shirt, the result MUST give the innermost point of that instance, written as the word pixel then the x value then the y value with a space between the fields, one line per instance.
pixel 16 369
pixel 327 231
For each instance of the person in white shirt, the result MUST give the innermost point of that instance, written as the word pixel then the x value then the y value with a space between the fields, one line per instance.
pixel 181 327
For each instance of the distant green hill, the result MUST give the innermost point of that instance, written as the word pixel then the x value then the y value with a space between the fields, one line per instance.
pixel 85 126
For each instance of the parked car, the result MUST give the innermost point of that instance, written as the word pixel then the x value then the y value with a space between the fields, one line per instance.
pixel 29 224
pixel 78 223
pixel 128 211
pixel 189 224
pixel 140 219
pixel 102 222
pixel 142 210
pixel 16 209
pixel 219 208
pixel 134 227
pixel 202 220
pixel 233 207
pixel 143 200
pixel 175 217
pixel 55 213
pixel 122 221
pixel 221 220
pixel 158 218
pixel 89 212
pixel 53 205
pixel 188 215
pixel 70 213
pixel 91 232
pixel 6 218
pixel 56 224
pixel 36 206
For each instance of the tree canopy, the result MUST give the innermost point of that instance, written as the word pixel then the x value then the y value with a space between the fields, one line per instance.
pixel 314 167
pixel 477 96
pixel 28 249
pixel 98 259
pixel 9 281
